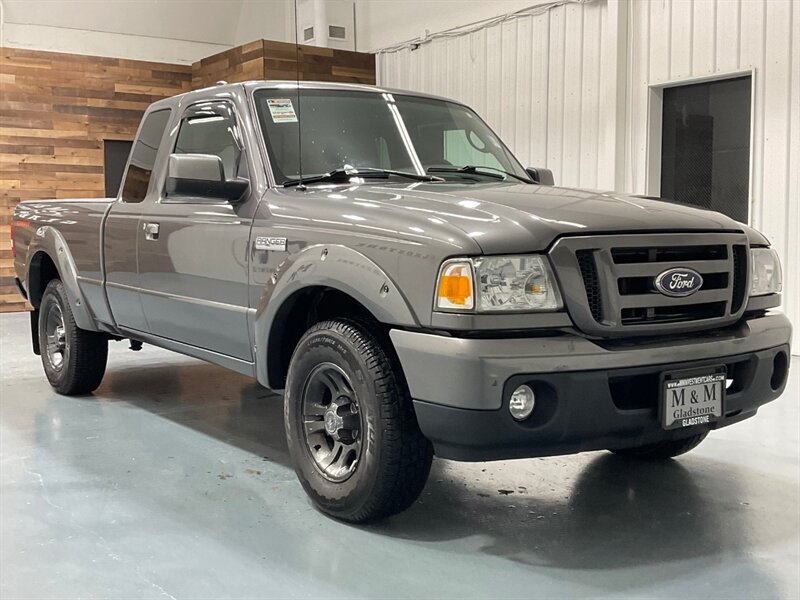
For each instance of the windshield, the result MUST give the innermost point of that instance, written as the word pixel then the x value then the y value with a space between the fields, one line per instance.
pixel 367 130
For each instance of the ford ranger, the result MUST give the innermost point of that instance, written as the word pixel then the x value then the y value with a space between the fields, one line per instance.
pixel 383 258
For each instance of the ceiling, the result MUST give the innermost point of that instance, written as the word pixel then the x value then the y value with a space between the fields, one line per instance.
pixel 224 22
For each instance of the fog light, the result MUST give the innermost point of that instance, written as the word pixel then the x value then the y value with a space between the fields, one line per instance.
pixel 522 402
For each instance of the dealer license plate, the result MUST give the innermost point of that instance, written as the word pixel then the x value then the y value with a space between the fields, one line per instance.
pixel 692 398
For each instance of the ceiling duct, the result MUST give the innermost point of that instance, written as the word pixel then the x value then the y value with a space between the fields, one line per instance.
pixel 326 23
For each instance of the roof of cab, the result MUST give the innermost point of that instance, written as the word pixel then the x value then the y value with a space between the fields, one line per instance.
pixel 249 86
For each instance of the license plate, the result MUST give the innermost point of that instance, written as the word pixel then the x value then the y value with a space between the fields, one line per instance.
pixel 692 398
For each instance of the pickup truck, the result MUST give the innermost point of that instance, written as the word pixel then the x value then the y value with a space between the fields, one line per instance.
pixel 385 260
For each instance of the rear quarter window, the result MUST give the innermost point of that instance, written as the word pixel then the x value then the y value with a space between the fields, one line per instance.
pixel 143 156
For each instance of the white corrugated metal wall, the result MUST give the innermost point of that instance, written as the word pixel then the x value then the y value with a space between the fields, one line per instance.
pixel 675 40
pixel 540 81
pixel 574 90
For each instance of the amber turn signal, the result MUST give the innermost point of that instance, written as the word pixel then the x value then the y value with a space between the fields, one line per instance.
pixel 455 286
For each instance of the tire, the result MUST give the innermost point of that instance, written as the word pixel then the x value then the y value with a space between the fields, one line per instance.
pixel 345 385
pixel 74 359
pixel 663 450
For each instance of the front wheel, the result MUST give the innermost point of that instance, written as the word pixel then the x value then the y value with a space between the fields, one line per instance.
pixel 350 424
pixel 663 450
pixel 74 359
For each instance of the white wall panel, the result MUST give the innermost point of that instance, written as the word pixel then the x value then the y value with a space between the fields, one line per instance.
pixel 536 80
pixel 101 43
pixel 577 90
pixel 792 198
pixel 703 42
pixel 382 23
pixel 728 36
pixel 680 35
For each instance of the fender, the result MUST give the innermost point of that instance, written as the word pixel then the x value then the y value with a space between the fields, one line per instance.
pixel 49 241
pixel 332 266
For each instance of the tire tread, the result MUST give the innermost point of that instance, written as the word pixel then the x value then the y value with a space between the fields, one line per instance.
pixel 88 351
pixel 405 453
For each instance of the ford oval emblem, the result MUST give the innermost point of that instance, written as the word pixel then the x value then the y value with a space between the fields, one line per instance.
pixel 679 282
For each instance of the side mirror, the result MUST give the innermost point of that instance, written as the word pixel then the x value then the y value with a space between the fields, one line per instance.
pixel 203 176
pixel 541 175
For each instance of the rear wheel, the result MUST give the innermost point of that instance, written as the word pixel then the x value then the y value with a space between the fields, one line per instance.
pixel 74 360
pixel 350 424
pixel 663 450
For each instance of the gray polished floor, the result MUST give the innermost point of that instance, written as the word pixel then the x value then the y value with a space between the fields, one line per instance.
pixel 173 481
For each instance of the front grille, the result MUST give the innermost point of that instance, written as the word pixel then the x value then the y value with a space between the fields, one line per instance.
pixel 590 282
pixel 739 277
pixel 624 256
pixel 629 286
pixel 672 314
pixel 616 275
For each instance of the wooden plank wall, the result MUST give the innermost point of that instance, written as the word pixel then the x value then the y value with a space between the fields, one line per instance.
pixel 55 111
pixel 265 59
pixel 318 64
pixel 242 63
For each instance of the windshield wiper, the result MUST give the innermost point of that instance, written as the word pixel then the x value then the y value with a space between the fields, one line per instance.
pixel 344 174
pixel 477 170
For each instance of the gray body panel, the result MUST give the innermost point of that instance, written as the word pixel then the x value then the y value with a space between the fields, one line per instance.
pixel 194 277
pixel 198 297
pixel 120 244
pixel 68 232
pixel 205 289
pixel 469 373
pixel 409 229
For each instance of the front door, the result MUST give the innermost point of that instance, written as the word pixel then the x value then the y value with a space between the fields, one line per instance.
pixel 121 234
pixel 193 252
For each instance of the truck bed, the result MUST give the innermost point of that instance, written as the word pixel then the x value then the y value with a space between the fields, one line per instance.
pixel 78 222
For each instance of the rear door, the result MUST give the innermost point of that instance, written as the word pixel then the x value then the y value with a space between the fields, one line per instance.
pixel 121 231
pixel 193 252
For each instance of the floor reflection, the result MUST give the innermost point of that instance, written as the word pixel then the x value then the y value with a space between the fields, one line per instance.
pixel 598 511
pixel 208 399
pixel 126 468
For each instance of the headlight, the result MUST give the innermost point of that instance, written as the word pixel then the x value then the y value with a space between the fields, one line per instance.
pixel 455 285
pixel 501 284
pixel 765 272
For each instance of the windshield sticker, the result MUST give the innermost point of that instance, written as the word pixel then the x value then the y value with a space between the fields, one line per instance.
pixel 281 110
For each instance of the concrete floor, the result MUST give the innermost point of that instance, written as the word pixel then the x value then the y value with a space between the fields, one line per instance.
pixel 173 481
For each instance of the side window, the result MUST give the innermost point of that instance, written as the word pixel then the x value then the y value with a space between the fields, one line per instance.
pixel 212 132
pixel 143 157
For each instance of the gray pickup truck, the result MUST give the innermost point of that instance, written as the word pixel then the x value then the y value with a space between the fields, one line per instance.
pixel 384 259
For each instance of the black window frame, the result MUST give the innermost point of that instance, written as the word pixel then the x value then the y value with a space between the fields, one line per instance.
pixel 209 108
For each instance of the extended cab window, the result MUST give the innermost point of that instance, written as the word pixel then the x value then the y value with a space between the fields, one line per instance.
pixel 212 131
pixel 143 156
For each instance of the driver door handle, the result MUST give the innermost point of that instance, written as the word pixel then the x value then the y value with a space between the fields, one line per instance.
pixel 151 231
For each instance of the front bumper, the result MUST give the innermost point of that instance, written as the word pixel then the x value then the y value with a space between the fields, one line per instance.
pixel 591 395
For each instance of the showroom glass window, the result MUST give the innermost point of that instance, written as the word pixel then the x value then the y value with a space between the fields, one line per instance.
pixel 705 145
pixel 211 131
pixel 143 156
pixel 370 130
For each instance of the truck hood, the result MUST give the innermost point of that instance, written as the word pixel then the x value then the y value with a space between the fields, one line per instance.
pixel 510 218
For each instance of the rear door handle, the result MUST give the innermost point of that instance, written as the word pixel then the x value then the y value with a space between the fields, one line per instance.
pixel 151 231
